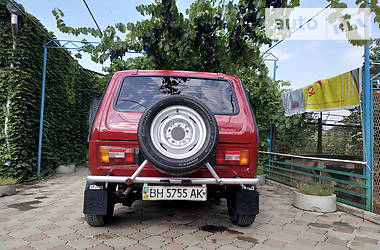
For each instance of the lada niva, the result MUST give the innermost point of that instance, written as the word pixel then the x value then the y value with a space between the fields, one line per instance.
pixel 172 135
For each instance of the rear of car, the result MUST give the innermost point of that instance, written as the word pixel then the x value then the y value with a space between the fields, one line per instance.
pixel 172 135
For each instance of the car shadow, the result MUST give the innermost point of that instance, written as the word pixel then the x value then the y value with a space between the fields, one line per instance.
pixel 157 212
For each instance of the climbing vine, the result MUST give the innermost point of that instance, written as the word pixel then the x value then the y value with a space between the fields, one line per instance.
pixel 69 89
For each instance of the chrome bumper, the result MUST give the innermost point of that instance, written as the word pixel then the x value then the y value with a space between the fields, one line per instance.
pixel 172 180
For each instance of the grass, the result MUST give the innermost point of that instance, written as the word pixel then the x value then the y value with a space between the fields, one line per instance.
pixel 7 181
pixel 314 190
pixel 259 170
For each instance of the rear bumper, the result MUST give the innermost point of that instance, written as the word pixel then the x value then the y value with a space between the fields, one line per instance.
pixel 173 180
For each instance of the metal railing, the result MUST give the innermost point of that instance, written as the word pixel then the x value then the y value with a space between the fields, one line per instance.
pixel 351 188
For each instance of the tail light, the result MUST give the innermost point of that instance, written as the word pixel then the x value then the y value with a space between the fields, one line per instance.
pixel 232 157
pixel 117 155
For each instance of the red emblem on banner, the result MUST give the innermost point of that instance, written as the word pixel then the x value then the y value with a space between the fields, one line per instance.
pixel 310 91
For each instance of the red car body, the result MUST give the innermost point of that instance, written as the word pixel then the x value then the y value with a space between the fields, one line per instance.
pixel 117 128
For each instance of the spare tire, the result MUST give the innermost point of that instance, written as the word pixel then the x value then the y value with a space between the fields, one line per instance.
pixel 94 106
pixel 177 135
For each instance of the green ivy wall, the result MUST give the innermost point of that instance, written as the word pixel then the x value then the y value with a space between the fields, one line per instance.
pixel 69 89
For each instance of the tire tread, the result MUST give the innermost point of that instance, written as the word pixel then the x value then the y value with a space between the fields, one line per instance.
pixel 96 220
pixel 245 220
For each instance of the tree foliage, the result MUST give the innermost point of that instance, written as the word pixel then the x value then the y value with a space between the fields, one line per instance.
pixel 213 36
pixel 348 24
pixel 375 50
pixel 345 140
pixel 372 4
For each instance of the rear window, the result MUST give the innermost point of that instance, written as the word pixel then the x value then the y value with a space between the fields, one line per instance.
pixel 139 92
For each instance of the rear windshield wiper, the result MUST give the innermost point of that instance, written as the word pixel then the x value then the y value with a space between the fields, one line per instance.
pixel 127 100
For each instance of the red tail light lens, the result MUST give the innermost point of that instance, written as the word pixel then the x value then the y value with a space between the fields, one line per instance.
pixel 232 157
pixel 117 155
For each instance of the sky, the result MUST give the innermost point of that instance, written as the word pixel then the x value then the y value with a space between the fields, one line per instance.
pixel 301 62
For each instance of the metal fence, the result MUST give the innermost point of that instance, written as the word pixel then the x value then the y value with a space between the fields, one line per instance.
pixel 345 177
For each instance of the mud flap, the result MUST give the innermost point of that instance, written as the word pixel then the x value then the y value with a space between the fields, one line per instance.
pixel 247 202
pixel 95 200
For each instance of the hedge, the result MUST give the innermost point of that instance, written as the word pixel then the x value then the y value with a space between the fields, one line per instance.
pixel 69 89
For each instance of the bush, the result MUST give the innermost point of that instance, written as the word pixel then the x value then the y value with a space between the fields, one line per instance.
pixel 260 170
pixel 7 181
pixel 314 190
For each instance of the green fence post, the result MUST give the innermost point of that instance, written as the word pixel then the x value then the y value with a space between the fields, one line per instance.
pixel 368 200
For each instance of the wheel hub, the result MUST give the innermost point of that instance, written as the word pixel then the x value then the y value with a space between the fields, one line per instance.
pixel 178 132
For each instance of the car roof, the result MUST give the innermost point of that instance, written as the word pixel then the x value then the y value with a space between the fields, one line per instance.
pixel 175 72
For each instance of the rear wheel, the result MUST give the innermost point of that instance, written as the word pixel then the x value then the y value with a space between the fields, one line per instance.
pixel 242 220
pixel 96 220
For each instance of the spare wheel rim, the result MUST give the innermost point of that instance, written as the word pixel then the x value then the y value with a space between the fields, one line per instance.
pixel 178 132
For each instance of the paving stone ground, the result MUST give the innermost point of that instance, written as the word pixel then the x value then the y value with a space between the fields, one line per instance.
pixel 48 215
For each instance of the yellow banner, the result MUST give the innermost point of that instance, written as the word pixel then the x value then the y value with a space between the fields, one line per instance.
pixel 336 92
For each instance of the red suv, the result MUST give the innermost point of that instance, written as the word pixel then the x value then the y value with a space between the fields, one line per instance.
pixel 172 135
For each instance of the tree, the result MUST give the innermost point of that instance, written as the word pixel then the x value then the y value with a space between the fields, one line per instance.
pixel 345 140
pixel 223 37
pixel 215 36
pixel 375 50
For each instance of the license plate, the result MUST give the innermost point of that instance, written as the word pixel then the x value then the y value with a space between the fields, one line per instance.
pixel 188 193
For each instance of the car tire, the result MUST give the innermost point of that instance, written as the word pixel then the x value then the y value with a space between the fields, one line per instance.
pixel 93 110
pixel 242 220
pixel 96 220
pixel 178 135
